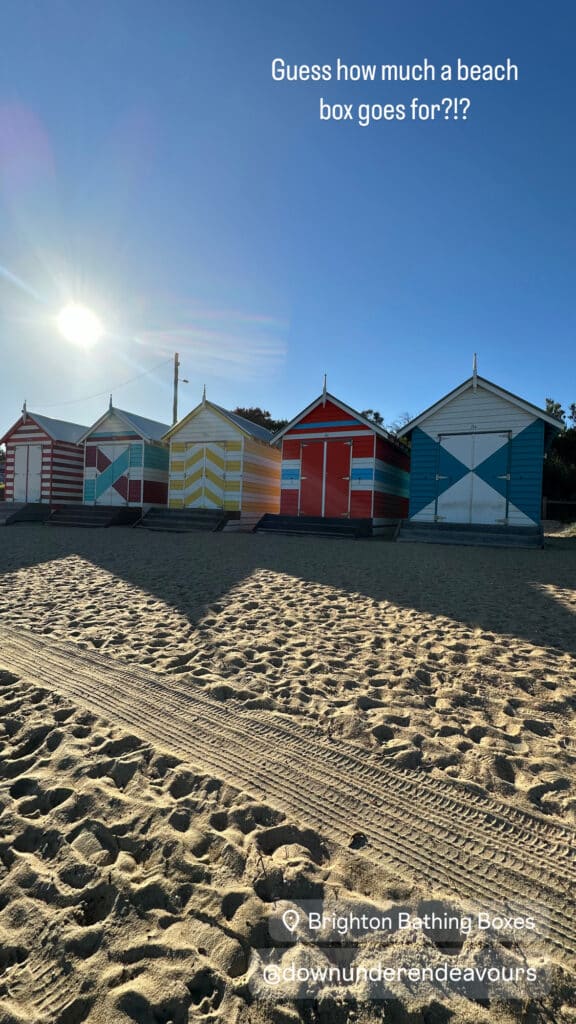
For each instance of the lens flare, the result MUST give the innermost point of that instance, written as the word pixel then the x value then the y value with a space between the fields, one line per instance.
pixel 80 326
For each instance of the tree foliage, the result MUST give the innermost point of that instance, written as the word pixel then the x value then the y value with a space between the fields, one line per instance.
pixel 560 462
pixel 374 415
pixel 394 427
pixel 262 417
pixel 555 409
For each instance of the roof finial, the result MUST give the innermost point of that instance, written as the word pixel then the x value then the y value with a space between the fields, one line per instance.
pixel 475 371
pixel 324 391
pixel 24 412
pixel 110 404
pixel 204 395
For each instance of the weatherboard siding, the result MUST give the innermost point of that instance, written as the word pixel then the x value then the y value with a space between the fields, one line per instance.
pixel 121 467
pixel 435 473
pixel 527 464
pixel 207 425
pixel 228 471
pixel 61 466
pixel 423 469
pixel 378 473
pixel 476 410
pixel 260 478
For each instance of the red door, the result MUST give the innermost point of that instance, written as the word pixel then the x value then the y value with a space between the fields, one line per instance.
pixel 337 491
pixel 311 474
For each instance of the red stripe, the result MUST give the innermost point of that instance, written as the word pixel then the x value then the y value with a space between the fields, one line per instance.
pixel 30 438
pixel 361 504
pixel 156 492
pixel 289 503
pixel 392 505
pixel 62 453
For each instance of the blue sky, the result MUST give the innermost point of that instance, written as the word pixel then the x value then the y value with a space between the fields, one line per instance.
pixel 151 169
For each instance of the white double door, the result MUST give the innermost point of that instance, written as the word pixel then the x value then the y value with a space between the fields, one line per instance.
pixel 28 472
pixel 479 465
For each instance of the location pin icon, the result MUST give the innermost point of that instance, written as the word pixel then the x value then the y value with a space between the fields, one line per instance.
pixel 291 920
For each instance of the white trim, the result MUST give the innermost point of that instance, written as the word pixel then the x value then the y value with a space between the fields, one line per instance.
pixel 323 505
pixel 101 440
pixel 326 435
pixel 373 481
pixel 373 427
pixel 468 385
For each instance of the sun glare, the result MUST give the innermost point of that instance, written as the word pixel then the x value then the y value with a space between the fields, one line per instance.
pixel 80 326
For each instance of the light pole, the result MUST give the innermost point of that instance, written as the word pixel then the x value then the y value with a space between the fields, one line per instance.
pixel 177 379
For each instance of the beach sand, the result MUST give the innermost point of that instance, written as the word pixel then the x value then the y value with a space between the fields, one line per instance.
pixel 134 885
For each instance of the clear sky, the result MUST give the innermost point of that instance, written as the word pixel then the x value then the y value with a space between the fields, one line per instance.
pixel 151 169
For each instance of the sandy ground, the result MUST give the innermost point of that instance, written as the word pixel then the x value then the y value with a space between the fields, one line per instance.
pixel 459 663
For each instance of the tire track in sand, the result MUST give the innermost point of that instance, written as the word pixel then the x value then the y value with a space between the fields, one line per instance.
pixel 459 843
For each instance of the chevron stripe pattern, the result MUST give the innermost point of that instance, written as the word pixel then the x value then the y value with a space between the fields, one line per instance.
pixel 204 476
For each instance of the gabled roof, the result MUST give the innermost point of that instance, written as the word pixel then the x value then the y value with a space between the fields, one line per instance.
pixel 149 430
pixel 58 430
pixel 482 382
pixel 252 429
pixel 381 431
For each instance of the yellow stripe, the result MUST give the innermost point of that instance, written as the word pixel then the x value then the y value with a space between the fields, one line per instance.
pixel 260 505
pixel 191 498
pixel 212 456
pixel 191 478
pixel 216 499
pixel 193 460
pixel 216 478
pixel 261 488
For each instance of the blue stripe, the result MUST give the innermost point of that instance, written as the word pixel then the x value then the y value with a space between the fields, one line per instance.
pixel 290 474
pixel 394 479
pixel 135 455
pixel 155 458
pixel 326 423
pixel 115 433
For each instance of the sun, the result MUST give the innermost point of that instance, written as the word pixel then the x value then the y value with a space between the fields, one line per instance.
pixel 79 325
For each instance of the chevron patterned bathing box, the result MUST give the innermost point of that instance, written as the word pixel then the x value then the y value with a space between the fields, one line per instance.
pixel 219 460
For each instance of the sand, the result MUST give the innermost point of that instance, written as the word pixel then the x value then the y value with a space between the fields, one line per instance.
pixel 149 893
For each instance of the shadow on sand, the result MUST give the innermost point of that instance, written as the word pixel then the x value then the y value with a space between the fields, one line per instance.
pixel 524 594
